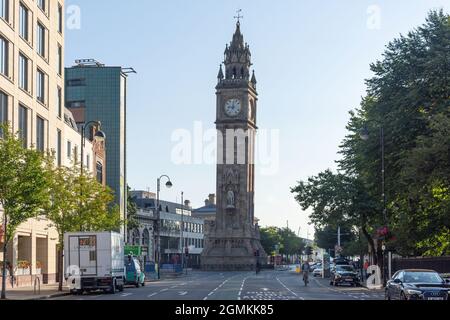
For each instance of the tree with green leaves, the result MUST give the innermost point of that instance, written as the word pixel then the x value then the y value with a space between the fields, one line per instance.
pixel 285 239
pixel 132 222
pixel 23 187
pixel 77 203
pixel 409 96
pixel 270 238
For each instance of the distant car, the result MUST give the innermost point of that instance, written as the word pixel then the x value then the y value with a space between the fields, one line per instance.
pixel 134 275
pixel 415 284
pixel 344 274
pixel 318 272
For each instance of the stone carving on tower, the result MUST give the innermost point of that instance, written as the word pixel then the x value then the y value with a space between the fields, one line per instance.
pixel 233 239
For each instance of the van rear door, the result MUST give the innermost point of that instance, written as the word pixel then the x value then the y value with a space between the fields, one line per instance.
pixel 83 253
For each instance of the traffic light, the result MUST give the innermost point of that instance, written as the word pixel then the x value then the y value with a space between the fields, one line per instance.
pixel 308 251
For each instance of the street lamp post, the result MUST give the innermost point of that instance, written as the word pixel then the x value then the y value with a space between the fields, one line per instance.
pixel 182 232
pixel 365 136
pixel 158 221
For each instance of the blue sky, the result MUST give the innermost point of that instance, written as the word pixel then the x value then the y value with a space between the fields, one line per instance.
pixel 310 59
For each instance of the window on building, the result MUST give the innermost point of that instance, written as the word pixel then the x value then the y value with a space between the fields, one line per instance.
pixel 4 9
pixel 75 153
pixel 59 102
pixel 60 60
pixel 60 18
pixel 41 39
pixel 99 169
pixel 40 134
pixel 59 148
pixel 3 110
pixel 23 22
pixel 69 149
pixel 76 82
pixel 40 86
pixel 23 72
pixel 23 125
pixel 4 51
pixel 42 5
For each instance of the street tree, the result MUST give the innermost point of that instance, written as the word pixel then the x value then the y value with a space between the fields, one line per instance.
pixel 23 188
pixel 77 202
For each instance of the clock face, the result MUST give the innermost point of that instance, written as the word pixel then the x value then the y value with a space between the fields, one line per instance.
pixel 233 107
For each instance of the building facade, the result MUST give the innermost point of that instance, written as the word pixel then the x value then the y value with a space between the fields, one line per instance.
pixel 180 230
pixel 208 211
pixel 32 102
pixel 95 92
pixel 233 238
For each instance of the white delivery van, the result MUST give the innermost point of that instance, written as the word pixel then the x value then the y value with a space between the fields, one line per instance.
pixel 94 261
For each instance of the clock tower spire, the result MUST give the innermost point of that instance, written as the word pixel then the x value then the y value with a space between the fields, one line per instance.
pixel 232 240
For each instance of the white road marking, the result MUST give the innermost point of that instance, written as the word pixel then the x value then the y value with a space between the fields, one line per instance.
pixel 290 290
pixel 220 286
pixel 125 294
pixel 151 295
pixel 183 293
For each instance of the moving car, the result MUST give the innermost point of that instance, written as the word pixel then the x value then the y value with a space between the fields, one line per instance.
pixel 134 274
pixel 416 284
pixel 318 271
pixel 344 274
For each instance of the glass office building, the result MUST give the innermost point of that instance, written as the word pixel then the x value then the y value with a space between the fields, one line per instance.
pixel 98 92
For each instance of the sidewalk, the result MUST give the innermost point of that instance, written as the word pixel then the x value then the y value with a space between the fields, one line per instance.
pixel 27 293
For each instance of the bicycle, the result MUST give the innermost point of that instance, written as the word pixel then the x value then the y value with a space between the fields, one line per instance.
pixel 306 278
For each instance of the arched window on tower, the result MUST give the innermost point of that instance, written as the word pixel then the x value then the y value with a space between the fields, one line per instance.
pixel 242 72
pixel 234 73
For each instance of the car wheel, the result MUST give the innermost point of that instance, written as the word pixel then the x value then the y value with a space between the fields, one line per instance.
pixel 387 296
pixel 120 288
pixel 137 284
pixel 402 296
pixel 143 283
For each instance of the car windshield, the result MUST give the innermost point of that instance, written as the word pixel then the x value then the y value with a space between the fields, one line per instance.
pixel 344 268
pixel 422 277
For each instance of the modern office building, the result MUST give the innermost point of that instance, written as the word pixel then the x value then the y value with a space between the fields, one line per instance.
pixel 95 92
pixel 179 229
pixel 32 101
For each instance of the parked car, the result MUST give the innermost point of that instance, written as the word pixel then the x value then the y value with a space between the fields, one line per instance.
pixel 341 262
pixel 318 272
pixel 345 274
pixel 134 275
pixel 416 284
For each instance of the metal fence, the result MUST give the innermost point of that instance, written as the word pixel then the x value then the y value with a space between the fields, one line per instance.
pixel 439 264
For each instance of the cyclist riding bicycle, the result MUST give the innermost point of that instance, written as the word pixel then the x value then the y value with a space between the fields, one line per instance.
pixel 305 270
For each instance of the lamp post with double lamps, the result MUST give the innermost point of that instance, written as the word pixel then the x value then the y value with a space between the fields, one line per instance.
pixel 158 221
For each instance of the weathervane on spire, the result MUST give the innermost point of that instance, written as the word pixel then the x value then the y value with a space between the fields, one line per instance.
pixel 238 17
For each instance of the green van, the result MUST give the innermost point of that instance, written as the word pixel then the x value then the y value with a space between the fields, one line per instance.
pixel 134 274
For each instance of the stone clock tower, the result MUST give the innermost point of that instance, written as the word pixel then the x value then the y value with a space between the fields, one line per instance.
pixel 232 240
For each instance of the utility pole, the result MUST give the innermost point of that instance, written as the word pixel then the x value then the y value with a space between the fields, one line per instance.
pixel 182 232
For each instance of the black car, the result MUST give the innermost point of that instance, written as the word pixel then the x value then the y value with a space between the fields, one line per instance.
pixel 344 274
pixel 417 285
